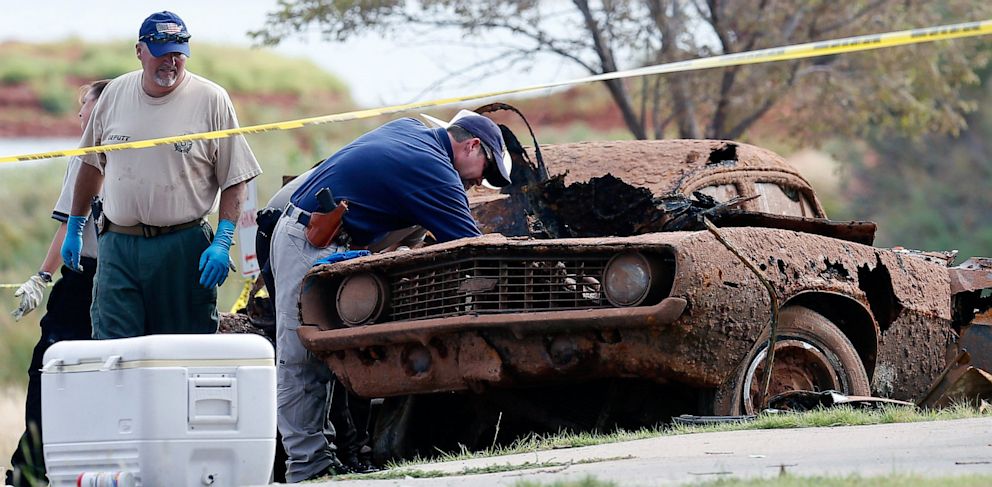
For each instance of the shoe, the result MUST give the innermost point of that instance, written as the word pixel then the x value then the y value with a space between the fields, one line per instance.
pixel 359 465
pixel 335 468
pixel 9 479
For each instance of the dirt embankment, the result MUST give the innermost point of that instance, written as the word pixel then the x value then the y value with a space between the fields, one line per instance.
pixel 22 113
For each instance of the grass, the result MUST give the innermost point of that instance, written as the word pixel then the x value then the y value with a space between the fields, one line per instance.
pixel 27 196
pixel 404 473
pixel 839 416
pixel 11 421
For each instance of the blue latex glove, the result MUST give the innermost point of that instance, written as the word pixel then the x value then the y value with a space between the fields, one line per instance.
pixel 214 260
pixel 339 256
pixel 72 245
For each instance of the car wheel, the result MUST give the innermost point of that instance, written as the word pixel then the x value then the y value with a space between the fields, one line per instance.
pixel 811 354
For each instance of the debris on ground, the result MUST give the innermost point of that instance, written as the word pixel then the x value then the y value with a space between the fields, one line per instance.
pixel 959 383
pixel 798 401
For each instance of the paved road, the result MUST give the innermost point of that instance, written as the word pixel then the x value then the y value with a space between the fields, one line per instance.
pixel 935 448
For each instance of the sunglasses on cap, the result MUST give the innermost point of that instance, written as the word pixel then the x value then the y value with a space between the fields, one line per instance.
pixel 163 37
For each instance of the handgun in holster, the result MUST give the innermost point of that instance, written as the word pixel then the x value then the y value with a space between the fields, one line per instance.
pixel 325 224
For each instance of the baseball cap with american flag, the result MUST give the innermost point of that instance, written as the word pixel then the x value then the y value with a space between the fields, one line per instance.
pixel 164 32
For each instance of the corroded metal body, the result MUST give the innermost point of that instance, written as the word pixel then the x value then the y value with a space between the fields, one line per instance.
pixel 498 311
pixel 725 311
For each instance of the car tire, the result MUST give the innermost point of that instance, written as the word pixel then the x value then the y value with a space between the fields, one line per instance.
pixel 811 353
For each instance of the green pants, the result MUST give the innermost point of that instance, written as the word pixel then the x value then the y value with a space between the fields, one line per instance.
pixel 149 286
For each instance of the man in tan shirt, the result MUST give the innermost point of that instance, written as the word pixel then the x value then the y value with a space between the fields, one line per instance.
pixel 160 266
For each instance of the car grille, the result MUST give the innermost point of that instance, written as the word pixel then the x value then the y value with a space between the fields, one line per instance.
pixel 480 285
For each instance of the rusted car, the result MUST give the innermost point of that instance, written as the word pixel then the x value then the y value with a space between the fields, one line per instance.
pixel 631 326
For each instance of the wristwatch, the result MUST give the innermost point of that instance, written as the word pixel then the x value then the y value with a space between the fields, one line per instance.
pixel 45 276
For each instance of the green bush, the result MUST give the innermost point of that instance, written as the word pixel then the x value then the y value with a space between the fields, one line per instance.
pixel 262 71
pixel 17 342
pixel 56 97
pixel 101 62
pixel 19 69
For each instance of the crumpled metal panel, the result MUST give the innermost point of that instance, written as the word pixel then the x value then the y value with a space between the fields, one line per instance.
pixel 959 383
pixel 976 339
pixel 798 401
pixel 974 274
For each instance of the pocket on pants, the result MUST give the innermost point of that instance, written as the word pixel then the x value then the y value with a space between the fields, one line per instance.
pixel 289 348
pixel 204 295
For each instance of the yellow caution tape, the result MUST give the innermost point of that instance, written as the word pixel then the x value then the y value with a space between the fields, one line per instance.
pixel 797 51
pixel 15 286
pixel 242 301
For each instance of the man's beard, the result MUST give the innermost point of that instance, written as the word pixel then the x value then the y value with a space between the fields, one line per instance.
pixel 167 81
pixel 165 77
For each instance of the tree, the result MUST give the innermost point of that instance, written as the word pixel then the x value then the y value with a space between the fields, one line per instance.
pixel 932 191
pixel 912 89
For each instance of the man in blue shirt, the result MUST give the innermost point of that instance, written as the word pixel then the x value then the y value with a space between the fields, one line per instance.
pixel 398 175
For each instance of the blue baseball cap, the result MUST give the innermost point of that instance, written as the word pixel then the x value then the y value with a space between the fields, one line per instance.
pixel 497 173
pixel 164 32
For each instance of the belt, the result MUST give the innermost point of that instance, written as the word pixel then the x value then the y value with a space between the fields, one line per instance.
pixel 303 218
pixel 299 216
pixel 148 231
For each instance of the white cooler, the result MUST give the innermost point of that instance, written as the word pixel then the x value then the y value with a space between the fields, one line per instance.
pixel 170 409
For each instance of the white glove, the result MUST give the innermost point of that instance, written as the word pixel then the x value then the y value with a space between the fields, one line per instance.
pixel 31 294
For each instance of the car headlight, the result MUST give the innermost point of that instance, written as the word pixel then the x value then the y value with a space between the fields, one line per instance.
pixel 361 298
pixel 628 279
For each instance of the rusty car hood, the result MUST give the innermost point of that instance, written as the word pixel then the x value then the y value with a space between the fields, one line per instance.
pixel 496 241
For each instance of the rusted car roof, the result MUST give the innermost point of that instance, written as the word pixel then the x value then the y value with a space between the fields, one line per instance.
pixel 663 166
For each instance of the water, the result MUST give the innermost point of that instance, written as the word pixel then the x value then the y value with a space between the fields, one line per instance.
pixel 30 145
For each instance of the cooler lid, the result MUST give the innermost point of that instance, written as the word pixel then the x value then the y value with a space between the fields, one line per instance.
pixel 160 351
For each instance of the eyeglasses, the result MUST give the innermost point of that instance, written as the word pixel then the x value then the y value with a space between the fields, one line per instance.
pixel 490 159
pixel 163 37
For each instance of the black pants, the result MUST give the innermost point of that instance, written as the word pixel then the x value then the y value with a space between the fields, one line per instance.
pixel 67 317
